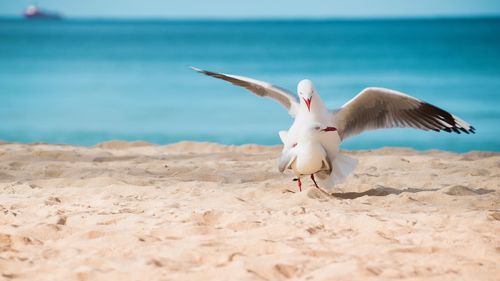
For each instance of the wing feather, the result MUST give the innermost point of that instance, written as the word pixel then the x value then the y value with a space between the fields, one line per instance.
pixel 260 88
pixel 376 108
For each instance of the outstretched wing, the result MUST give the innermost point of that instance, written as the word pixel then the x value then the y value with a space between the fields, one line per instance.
pixel 375 108
pixel 259 88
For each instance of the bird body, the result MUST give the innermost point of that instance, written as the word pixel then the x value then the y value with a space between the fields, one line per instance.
pixel 312 112
pixel 311 158
pixel 373 108
pixel 307 156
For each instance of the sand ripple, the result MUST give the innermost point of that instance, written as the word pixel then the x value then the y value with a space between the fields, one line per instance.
pixel 204 211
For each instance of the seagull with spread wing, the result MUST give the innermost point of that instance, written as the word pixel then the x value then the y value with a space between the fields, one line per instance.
pixel 373 108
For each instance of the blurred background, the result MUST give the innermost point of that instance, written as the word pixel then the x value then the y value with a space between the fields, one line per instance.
pixel 84 72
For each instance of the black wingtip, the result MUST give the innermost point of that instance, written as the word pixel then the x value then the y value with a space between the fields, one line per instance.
pixel 471 130
pixel 463 130
pixel 459 130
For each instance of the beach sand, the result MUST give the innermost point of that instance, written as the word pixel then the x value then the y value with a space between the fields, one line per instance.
pixel 202 211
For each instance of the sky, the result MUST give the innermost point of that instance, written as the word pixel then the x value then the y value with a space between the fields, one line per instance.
pixel 258 8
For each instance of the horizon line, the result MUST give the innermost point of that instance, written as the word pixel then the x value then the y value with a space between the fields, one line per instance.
pixel 267 18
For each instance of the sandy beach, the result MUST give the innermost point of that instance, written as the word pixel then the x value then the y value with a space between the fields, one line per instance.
pixel 203 211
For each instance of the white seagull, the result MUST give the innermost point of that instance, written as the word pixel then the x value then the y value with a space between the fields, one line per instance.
pixel 373 108
pixel 308 156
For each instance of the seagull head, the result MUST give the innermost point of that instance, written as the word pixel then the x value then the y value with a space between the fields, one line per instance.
pixel 317 128
pixel 306 92
pixel 314 131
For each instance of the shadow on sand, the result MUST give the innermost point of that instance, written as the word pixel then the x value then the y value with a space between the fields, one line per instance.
pixel 384 191
pixel 379 191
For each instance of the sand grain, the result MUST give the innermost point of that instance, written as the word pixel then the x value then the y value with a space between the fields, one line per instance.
pixel 203 211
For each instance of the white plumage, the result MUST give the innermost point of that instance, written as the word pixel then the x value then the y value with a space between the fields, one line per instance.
pixel 307 156
pixel 372 108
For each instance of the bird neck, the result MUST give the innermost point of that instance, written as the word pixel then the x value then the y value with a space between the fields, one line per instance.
pixel 318 107
pixel 317 110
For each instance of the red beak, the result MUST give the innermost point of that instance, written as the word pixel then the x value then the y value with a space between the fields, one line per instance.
pixel 308 103
pixel 329 129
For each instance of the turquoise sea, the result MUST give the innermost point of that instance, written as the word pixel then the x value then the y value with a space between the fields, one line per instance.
pixel 87 81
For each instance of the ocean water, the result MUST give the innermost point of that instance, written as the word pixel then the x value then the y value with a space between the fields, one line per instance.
pixel 84 82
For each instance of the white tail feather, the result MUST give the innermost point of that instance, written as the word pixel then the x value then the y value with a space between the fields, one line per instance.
pixel 342 166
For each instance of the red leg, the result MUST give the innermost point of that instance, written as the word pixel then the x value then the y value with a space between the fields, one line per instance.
pixel 312 177
pixel 299 183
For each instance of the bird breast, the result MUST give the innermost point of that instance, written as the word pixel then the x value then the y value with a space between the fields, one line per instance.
pixel 310 158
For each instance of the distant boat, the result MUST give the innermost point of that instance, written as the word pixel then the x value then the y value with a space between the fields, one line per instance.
pixel 34 12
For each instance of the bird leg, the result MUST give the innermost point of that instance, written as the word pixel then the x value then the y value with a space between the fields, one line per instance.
pixel 299 183
pixel 312 177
